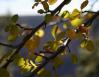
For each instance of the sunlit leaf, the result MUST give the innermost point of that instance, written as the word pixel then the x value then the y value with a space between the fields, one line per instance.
pixel 39 59
pixel 84 4
pixel 40 33
pixel 15 18
pixel 76 22
pixel 45 5
pixel 65 25
pixel 75 13
pixel 32 43
pixel 4 72
pixel 71 33
pixel 54 30
pixel 65 14
pixel 51 2
pixel 74 58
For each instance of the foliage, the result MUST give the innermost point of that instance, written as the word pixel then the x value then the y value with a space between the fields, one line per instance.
pixel 73 26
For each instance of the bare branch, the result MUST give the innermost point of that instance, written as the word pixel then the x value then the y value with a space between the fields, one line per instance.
pixel 24 27
pixel 8 45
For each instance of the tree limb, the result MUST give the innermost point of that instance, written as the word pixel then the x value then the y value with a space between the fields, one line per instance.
pixel 29 36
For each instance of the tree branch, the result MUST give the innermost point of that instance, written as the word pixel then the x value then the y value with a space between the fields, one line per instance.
pixel 24 27
pixel 29 36
pixel 8 45
pixel 60 49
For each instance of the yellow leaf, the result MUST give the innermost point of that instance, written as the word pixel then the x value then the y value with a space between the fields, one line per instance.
pixel 40 33
pixel 51 2
pixel 75 13
pixel 32 43
pixel 65 14
pixel 71 34
pixel 76 22
pixel 39 59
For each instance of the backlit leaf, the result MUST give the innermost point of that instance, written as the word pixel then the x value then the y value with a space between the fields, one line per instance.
pixel 40 33
pixel 71 33
pixel 76 22
pixel 65 14
pixel 39 59
pixel 51 2
pixel 84 4
pixel 32 43
pixel 74 58
pixel 75 13
pixel 54 30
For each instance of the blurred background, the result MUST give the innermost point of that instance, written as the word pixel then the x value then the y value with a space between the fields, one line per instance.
pixel 88 65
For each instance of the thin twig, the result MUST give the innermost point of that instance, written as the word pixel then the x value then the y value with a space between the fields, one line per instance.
pixel 29 36
pixel 24 27
pixel 8 45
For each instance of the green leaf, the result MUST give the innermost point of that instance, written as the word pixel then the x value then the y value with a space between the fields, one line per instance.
pixel 65 14
pixel 15 18
pixel 48 18
pixel 39 59
pixel 84 4
pixel 12 37
pixel 45 5
pixel 41 11
pixel 54 30
pixel 74 58
pixel 61 35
